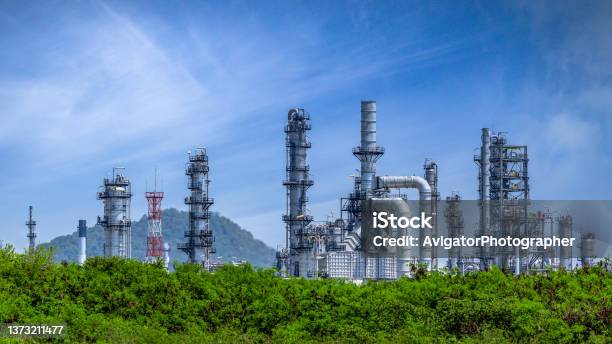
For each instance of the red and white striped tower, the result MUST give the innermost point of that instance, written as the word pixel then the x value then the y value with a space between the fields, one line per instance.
pixel 154 232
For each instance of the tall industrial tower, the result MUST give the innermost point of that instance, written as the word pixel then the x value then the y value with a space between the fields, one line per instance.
pixel 431 176
pixel 154 229
pixel 368 152
pixel 31 224
pixel 297 182
pixel 504 174
pixel 482 160
pixel 509 193
pixel 116 197
pixel 199 235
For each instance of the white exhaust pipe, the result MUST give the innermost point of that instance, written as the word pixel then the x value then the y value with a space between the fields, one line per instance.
pixel 82 241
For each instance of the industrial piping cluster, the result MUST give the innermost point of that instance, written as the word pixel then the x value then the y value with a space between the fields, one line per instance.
pixel 332 248
pixel 315 249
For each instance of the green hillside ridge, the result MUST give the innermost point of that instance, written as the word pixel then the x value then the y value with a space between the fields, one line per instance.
pixel 230 240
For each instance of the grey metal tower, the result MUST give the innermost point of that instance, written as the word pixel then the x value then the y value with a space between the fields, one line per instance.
pixel 482 160
pixel 587 250
pixel 116 195
pixel 297 182
pixel 368 152
pixel 509 195
pixel 431 176
pixel 198 236
pixel 565 230
pixel 31 224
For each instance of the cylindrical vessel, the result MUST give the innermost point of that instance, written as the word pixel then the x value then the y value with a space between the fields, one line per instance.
pixel 588 249
pixel 297 218
pixel 82 241
pixel 565 252
pixel 368 143
pixel 431 175
pixel 483 179
pixel 166 255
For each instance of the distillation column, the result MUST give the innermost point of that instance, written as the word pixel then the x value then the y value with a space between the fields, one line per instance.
pixel 431 176
pixel 297 183
pixel 31 224
pixel 82 241
pixel 116 197
pixel 482 161
pixel 199 236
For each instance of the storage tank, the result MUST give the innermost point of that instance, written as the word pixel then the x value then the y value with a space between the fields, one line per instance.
pixel 565 252
pixel 587 249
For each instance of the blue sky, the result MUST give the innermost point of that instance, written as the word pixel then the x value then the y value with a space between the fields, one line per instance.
pixel 85 86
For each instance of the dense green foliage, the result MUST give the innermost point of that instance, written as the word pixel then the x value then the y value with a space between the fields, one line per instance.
pixel 230 240
pixel 118 300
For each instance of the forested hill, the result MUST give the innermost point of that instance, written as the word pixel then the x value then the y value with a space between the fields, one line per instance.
pixel 230 240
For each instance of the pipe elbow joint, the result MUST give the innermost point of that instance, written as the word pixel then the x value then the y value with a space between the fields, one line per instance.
pixel 400 182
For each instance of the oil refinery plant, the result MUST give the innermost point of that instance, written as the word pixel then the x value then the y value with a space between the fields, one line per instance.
pixel 333 248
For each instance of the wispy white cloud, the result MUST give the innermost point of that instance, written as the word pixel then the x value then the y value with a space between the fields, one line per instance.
pixel 112 88
pixel 564 133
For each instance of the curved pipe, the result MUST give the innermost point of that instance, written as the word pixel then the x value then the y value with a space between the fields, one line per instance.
pixel 409 182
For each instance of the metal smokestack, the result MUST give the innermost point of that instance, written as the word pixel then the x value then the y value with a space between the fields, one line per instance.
pixel 368 152
pixel 82 241
pixel 368 142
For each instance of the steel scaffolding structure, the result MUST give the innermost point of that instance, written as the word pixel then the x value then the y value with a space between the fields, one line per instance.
pixel 509 195
pixel 504 197
pixel 116 197
pixel 154 226
pixel 199 235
